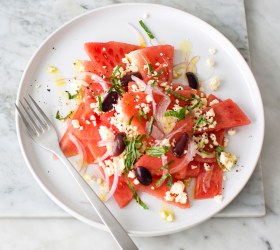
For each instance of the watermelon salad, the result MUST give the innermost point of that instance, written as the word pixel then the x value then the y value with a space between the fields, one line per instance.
pixel 136 130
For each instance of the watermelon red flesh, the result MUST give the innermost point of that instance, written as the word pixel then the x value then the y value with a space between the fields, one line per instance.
pixel 106 56
pixel 123 195
pixel 209 183
pixel 228 115
pixel 211 98
pixel 189 171
pixel 160 57
pixel 129 103
pixel 160 191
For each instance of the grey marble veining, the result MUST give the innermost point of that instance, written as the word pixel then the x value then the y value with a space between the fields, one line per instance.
pixel 24 25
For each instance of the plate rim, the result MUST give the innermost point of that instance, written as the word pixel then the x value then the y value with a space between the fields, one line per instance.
pixel 222 39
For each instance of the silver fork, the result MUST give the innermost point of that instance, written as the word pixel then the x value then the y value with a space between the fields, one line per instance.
pixel 42 131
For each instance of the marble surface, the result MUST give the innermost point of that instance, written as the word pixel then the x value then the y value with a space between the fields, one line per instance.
pixel 24 25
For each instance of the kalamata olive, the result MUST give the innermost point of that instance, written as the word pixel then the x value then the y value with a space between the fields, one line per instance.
pixel 180 145
pixel 110 99
pixel 143 175
pixel 118 144
pixel 192 79
pixel 127 78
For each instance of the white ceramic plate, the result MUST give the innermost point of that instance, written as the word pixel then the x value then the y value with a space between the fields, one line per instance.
pixel 170 26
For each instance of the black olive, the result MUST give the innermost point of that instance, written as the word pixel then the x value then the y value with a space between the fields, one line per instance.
pixel 110 99
pixel 192 79
pixel 127 78
pixel 143 175
pixel 119 145
pixel 180 145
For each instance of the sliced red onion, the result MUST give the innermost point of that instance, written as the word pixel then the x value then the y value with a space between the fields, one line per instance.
pixel 187 159
pixel 149 91
pixel 104 143
pixel 161 109
pixel 212 155
pixel 114 184
pixel 139 82
pixel 106 178
pixel 81 150
pixel 105 156
pixel 101 81
pixel 156 132
pixel 94 170
pixel 178 130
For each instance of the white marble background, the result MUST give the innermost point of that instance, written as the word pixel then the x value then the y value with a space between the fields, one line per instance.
pixel 238 233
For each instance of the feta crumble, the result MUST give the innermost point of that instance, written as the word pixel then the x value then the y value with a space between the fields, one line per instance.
pixel 131 174
pixel 228 160
pixel 231 132
pixel 215 84
pixel 177 193
pixel 215 101
pixel 218 198
pixel 76 123
pixel 212 51
pixel 210 63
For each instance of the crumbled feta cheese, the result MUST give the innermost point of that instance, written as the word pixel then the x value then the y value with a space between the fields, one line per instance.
pixel 146 107
pixel 136 182
pixel 225 178
pixel 210 113
pixel 206 166
pixel 75 123
pixel 87 122
pixel 92 118
pixel 106 133
pixel 149 99
pixel 81 128
pixel 210 63
pixel 163 84
pixel 161 54
pixel 218 198
pixel 212 51
pixel 176 107
pixel 95 107
pixel 116 164
pixel 215 84
pixel 152 187
pixel 165 142
pixel 131 174
pixel 177 193
pixel 157 63
pixel 130 66
pixel 228 160
pixel 215 101
pixel 179 88
pixel 231 132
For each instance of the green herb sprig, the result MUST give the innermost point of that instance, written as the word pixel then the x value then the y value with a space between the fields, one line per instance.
pixel 132 151
pixel 136 196
pixel 99 102
pixel 147 30
pixel 72 96
pixel 152 119
pixel 142 114
pixel 218 151
pixel 157 151
pixel 180 114
pixel 165 176
pixel 61 118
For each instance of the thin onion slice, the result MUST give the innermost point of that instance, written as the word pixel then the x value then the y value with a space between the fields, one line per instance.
pixel 95 78
pixel 105 156
pixel 106 178
pixel 114 184
pixel 139 82
pixel 180 129
pixel 104 143
pixel 93 170
pixel 212 155
pixel 187 159
pixel 81 151
pixel 156 132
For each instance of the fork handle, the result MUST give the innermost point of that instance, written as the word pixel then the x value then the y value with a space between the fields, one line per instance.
pixel 117 231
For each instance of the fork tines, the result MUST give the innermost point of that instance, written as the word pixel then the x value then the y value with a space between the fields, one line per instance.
pixel 36 122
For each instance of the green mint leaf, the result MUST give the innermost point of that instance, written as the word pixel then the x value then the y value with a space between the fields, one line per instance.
pixel 59 117
pixel 136 196
pixel 147 30
pixel 151 125
pixel 141 113
pixel 157 151
pixel 99 102
pixel 130 120
pixel 218 151
pixel 180 114
pixel 177 95
pixel 72 96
